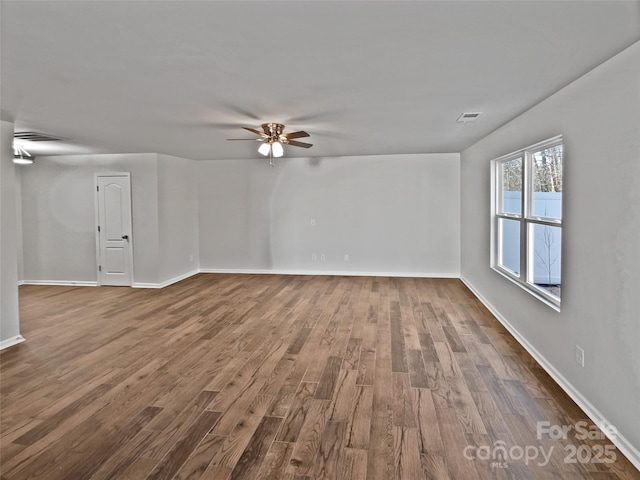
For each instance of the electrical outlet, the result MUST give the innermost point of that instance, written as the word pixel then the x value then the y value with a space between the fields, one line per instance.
pixel 314 257
pixel 346 257
pixel 580 356
pixel 322 257
pixel 313 222
pixel 191 258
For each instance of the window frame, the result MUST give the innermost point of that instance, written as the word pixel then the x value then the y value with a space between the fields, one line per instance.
pixel 526 219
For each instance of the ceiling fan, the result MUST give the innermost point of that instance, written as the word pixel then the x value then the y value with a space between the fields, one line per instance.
pixel 273 137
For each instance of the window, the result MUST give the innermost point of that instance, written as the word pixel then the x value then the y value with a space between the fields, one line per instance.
pixel 526 233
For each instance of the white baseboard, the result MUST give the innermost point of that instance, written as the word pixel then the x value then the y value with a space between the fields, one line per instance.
pixel 166 283
pixel 336 273
pixel 627 449
pixel 10 342
pixel 247 271
pixel 63 283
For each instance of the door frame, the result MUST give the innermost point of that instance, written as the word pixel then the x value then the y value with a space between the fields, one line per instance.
pixel 97 221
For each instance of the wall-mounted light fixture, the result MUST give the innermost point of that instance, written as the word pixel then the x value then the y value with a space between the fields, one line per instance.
pixel 21 156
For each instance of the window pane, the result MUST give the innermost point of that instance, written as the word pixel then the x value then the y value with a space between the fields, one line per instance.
pixel 545 253
pixel 547 182
pixel 510 245
pixel 511 181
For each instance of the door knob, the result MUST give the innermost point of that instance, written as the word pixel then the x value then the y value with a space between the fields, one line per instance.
pixel 125 237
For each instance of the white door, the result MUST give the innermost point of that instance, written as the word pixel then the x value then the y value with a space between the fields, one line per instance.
pixel 113 205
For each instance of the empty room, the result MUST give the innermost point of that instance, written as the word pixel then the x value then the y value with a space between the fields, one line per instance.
pixel 304 240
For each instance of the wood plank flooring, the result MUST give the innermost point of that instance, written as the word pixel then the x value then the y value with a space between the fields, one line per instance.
pixel 229 377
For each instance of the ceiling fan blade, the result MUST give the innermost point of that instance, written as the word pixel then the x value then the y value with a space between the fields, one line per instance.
pixel 250 139
pixel 239 110
pixel 257 132
pixel 318 116
pixel 299 134
pixel 300 144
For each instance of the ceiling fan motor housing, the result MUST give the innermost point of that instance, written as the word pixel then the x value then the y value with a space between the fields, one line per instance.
pixel 273 128
pixel 274 132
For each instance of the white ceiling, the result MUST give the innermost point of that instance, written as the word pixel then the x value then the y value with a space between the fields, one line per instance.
pixel 179 77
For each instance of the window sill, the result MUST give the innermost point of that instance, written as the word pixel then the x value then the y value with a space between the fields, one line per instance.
pixel 547 300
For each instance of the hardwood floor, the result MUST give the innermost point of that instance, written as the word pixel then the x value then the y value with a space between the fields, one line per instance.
pixel 281 377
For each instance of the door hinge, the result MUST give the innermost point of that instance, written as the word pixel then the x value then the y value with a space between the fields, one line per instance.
pixel 97 188
pixel 98 227
pixel 99 268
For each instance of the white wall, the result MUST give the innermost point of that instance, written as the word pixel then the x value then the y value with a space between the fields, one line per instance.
pixel 177 217
pixel 58 217
pixel 19 240
pixel 392 214
pixel 9 321
pixel 599 116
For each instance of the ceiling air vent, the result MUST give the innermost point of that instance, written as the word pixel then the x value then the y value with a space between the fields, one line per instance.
pixel 36 137
pixel 468 117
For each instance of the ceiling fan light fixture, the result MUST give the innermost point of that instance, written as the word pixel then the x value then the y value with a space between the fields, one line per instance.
pixel 264 149
pixel 277 149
